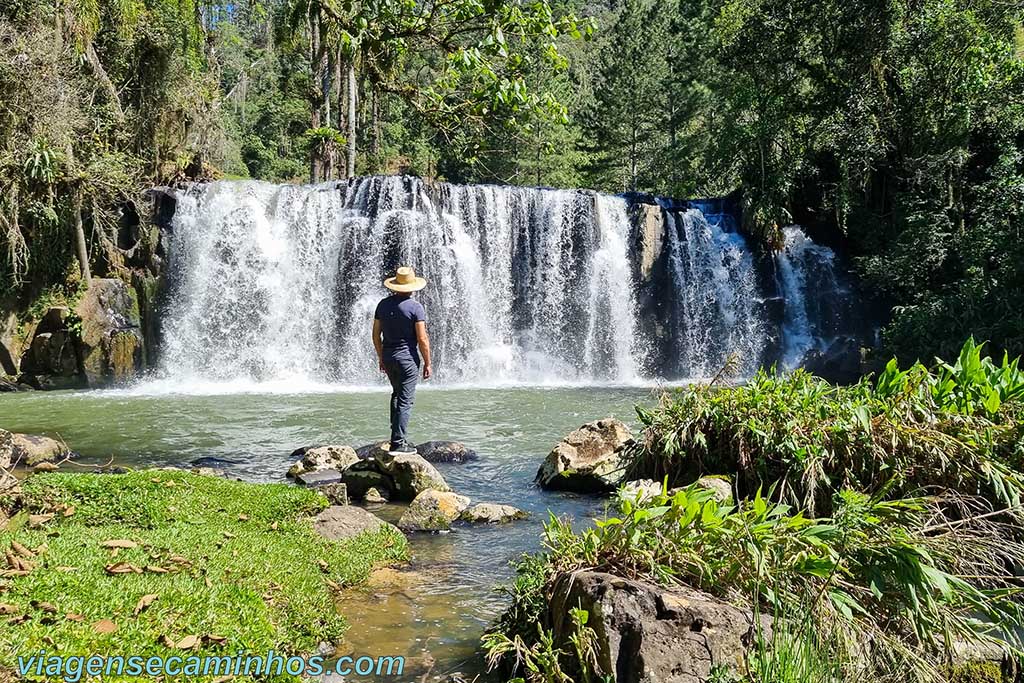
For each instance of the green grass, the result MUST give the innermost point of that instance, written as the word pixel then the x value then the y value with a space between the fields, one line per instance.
pixel 254 572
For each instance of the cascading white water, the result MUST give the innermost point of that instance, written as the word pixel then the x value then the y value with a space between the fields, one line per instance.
pixel 714 286
pixel 276 285
pixel 279 283
pixel 813 294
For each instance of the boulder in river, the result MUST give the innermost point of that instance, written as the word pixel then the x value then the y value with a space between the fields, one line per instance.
pixel 433 510
pixel 342 522
pixel 646 633
pixel 588 460
pixel 491 513
pixel 319 458
pixel 31 449
pixel 411 475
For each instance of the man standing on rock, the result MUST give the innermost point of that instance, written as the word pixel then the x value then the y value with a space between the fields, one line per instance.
pixel 400 338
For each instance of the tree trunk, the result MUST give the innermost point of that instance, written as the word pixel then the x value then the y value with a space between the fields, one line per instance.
pixel 339 91
pixel 80 246
pixel 101 75
pixel 350 167
pixel 314 94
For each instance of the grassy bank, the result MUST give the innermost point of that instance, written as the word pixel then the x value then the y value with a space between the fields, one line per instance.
pixel 879 524
pixel 167 562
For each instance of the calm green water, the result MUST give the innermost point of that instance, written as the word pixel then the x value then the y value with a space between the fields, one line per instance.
pixel 434 614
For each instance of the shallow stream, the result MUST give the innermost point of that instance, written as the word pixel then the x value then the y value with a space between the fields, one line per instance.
pixel 432 612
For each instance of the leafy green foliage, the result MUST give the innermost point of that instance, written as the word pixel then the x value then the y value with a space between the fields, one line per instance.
pixel 955 426
pixel 910 575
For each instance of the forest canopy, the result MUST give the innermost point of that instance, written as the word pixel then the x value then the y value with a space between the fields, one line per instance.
pixel 894 130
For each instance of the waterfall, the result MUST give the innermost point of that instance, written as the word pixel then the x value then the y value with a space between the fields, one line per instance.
pixel 714 291
pixel 278 283
pixel 814 294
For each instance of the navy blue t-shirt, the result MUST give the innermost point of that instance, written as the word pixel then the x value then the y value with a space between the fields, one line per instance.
pixel 398 315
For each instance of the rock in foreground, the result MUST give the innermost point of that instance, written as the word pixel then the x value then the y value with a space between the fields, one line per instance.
pixel 645 633
pixel 30 449
pixel 433 511
pixel 342 522
pixel 587 460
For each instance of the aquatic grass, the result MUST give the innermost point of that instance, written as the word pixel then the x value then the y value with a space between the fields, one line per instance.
pixel 889 585
pixel 245 572
pixel 955 426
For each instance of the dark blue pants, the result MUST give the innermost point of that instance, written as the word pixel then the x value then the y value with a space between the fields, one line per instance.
pixel 403 373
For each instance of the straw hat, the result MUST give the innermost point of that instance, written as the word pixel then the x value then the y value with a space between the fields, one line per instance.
pixel 405 280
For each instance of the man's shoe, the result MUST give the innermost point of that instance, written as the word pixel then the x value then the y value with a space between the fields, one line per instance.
pixel 402 448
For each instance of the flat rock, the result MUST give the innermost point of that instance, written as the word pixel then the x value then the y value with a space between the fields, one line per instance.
pixel 491 513
pixel 343 522
pixel 31 449
pixel 587 460
pixel 320 478
pixel 433 511
pixel 319 458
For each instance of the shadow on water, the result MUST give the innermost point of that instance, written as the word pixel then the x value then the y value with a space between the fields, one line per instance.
pixel 432 611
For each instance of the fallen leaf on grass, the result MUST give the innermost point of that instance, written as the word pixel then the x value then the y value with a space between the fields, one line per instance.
pixel 47 607
pixel 122 568
pixel 153 569
pixel 228 534
pixel 39 520
pixel 69 510
pixel 6 609
pixel 119 543
pixel 71 616
pixel 22 550
pixel 324 567
pixel 209 584
pixel 21 619
pixel 187 643
pixel 144 602
pixel 217 640
pixel 104 626
pixel 243 518
pixel 273 526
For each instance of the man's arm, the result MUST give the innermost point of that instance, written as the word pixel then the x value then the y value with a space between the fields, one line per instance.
pixel 378 343
pixel 423 342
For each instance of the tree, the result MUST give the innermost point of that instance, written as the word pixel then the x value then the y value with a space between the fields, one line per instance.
pixel 627 122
